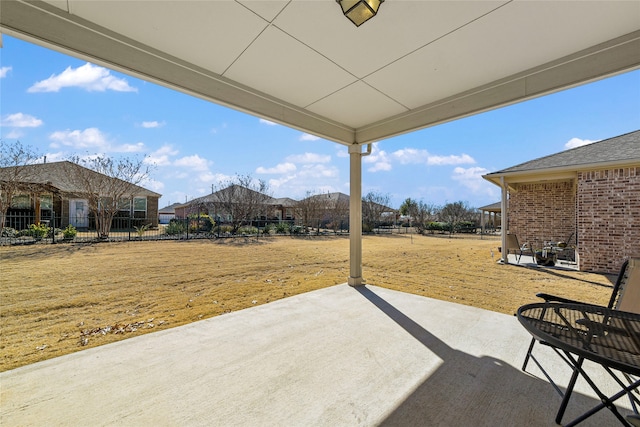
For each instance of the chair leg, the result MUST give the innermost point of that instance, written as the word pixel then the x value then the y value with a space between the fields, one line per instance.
pixel 526 359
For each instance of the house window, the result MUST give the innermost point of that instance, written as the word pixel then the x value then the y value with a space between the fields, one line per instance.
pixel 140 204
pixel 46 202
pixel 140 207
pixel 124 204
pixel 21 201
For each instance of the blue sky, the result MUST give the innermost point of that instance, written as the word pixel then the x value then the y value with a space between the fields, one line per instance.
pixel 63 106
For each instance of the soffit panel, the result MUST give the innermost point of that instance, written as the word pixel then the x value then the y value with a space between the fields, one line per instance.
pixel 287 69
pixel 267 9
pixel 400 28
pixel 514 38
pixel 357 105
pixel 209 34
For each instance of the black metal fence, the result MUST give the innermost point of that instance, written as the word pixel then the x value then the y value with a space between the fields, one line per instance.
pixel 24 228
pixel 21 228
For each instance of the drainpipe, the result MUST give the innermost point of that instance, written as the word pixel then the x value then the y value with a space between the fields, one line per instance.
pixel 355 214
pixel 504 221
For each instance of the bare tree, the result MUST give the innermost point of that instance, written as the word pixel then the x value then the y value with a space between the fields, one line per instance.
pixel 373 206
pixel 337 213
pixel 310 209
pixel 240 200
pixel 15 176
pixel 454 213
pixel 107 184
pixel 424 213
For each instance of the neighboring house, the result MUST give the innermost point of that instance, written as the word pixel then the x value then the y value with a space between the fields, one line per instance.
pixel 490 216
pixel 167 213
pixel 284 208
pixel 273 209
pixel 47 194
pixel 590 194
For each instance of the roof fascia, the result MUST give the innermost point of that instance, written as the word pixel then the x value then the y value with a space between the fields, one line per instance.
pixel 556 174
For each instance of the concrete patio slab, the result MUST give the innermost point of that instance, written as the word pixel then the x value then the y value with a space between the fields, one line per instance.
pixel 339 356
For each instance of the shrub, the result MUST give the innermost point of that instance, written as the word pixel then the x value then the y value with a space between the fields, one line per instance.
pixel 9 232
pixel 297 229
pixel 70 232
pixel 438 226
pixel 38 231
pixel 141 230
pixel 175 227
pixel 201 222
pixel 225 229
pixel 282 228
pixel 267 229
pixel 247 230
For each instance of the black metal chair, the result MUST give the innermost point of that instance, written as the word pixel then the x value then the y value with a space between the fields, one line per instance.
pixel 514 246
pixel 625 296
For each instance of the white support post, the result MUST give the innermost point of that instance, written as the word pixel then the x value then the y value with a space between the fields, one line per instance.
pixel 504 221
pixel 355 216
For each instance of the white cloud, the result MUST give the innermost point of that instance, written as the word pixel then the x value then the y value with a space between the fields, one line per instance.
pixel 88 77
pixel 268 123
pixel 308 137
pixel 153 124
pixel 414 156
pixel 309 158
pixel 90 138
pixel 281 168
pixel 129 148
pixel 14 134
pixel 194 162
pixel 380 160
pixel 160 157
pixel 577 142
pixel 411 155
pixel 472 179
pixel 56 157
pixel 450 160
pixel 318 171
pixel 152 185
pixel 4 71
pixel 20 120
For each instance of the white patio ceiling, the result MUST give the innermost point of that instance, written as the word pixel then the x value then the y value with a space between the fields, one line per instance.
pixel 302 64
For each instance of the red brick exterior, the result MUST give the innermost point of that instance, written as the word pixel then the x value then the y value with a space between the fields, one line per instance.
pixel 601 208
pixel 543 212
pixel 609 218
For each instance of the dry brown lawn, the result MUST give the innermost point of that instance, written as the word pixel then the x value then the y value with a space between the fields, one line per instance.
pixel 58 299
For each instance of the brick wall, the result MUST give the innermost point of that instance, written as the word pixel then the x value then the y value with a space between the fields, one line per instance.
pixel 152 211
pixel 540 212
pixel 608 218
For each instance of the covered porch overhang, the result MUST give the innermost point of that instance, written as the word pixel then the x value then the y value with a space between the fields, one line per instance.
pixel 322 75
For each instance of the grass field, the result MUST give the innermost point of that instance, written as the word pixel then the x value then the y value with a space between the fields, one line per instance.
pixel 57 299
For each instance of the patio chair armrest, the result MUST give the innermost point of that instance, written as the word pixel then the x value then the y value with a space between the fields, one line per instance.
pixel 555 298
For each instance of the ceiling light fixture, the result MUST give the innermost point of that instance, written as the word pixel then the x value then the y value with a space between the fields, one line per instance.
pixel 359 11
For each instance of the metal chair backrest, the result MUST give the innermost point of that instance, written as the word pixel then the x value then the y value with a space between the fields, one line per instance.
pixel 512 242
pixel 626 292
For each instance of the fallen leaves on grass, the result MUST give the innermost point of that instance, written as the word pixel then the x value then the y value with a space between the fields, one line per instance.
pixel 117 329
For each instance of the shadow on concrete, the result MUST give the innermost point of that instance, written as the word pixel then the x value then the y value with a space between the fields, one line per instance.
pixel 479 391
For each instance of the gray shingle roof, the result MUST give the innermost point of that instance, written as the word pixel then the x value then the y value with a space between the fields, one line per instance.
pixel 622 149
pixel 55 174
